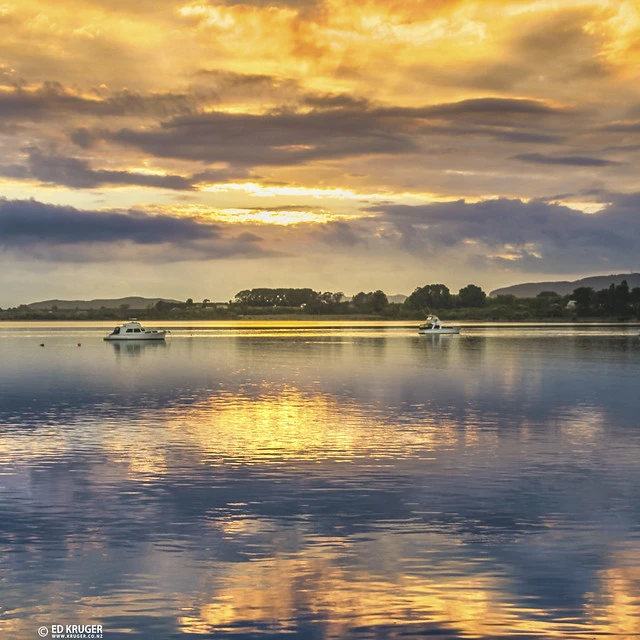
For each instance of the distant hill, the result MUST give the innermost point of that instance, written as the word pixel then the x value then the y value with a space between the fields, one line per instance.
pixel 133 302
pixel 563 287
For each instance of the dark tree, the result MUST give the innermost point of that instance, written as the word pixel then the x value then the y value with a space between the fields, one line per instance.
pixel 585 298
pixel 471 296
pixel 372 302
pixel 360 299
pixel 634 300
pixel 431 296
pixel 621 299
pixel 379 301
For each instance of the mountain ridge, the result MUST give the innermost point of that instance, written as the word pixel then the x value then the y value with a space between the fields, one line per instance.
pixel 133 302
pixel 564 287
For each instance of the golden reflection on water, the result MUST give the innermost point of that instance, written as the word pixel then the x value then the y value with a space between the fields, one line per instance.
pixel 616 608
pixel 277 426
pixel 275 592
pixel 285 424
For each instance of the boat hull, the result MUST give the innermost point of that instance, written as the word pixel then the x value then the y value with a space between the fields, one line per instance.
pixel 136 338
pixel 438 332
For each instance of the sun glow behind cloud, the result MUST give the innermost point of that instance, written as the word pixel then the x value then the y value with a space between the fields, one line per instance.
pixel 327 193
pixel 268 191
pixel 274 217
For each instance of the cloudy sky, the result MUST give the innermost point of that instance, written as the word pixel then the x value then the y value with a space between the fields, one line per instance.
pixel 193 149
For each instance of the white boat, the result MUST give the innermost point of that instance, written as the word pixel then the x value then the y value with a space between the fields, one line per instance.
pixel 133 330
pixel 433 326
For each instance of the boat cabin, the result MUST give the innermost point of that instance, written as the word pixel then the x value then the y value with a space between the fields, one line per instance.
pixel 432 322
pixel 128 327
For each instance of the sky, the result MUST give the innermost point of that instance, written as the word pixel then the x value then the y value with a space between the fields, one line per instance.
pixel 194 149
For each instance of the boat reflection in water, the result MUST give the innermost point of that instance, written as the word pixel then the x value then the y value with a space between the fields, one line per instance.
pixel 136 347
pixel 326 485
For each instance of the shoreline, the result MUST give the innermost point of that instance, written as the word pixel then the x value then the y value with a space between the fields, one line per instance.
pixel 328 318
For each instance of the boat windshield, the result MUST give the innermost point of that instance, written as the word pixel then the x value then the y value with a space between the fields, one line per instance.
pixel 116 331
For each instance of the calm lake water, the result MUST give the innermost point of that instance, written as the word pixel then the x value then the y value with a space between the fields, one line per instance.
pixel 327 481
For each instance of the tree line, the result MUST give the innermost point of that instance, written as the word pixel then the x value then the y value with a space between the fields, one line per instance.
pixel 426 298
pixel 617 302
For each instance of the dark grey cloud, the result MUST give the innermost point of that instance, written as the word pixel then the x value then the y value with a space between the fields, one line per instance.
pixel 278 138
pixel 572 161
pixel 77 174
pixel 536 235
pixel 52 99
pixel 497 132
pixel 209 86
pixel 492 106
pixel 28 221
pixel 489 111
pixel 338 232
pixel 623 127
pixel 631 148
pixel 524 136
pixel 340 126
pixel 63 233
pixel 505 119
pixel 155 104
pixel 84 137
pixel 336 101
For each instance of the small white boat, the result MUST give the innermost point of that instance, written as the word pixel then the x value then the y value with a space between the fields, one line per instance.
pixel 433 326
pixel 133 330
